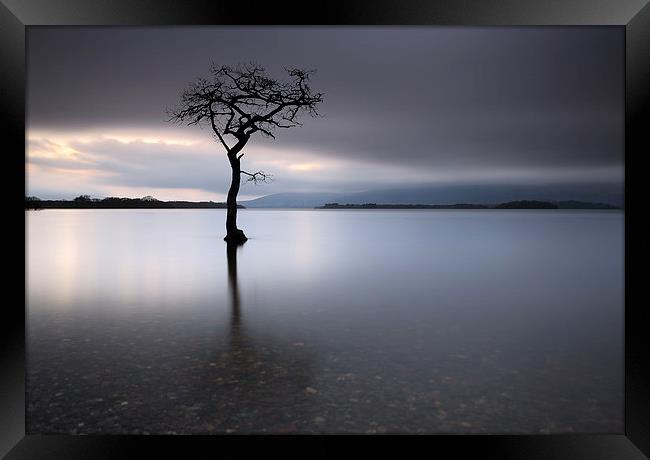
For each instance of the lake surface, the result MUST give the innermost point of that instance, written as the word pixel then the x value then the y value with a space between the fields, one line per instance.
pixel 325 321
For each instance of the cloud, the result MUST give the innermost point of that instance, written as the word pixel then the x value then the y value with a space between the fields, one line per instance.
pixel 106 166
pixel 402 105
pixel 106 163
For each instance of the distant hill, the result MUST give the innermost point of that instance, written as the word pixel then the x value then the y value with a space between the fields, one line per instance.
pixel 606 194
pixel 292 200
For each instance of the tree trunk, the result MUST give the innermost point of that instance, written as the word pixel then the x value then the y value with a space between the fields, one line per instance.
pixel 233 234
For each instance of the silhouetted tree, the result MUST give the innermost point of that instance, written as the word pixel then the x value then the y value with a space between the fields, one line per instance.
pixel 32 202
pixel 82 198
pixel 238 103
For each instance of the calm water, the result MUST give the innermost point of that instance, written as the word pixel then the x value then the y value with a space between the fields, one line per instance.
pixel 326 321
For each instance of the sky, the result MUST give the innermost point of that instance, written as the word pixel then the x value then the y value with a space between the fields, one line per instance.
pixel 403 106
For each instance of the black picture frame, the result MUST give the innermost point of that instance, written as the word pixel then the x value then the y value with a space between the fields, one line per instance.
pixel 16 15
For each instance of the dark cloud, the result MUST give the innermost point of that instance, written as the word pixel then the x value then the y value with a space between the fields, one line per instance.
pixel 431 97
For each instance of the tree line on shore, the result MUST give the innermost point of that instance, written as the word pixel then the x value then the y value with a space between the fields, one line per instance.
pixel 86 202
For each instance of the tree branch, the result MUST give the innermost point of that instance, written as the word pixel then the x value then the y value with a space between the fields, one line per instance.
pixel 216 131
pixel 258 177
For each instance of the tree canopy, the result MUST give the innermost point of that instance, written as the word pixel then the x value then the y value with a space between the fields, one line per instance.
pixel 237 102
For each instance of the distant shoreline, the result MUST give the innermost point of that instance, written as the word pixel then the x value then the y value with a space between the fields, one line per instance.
pixel 123 203
pixel 140 203
pixel 524 204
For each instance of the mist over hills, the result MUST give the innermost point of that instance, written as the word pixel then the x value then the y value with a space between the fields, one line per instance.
pixel 611 194
pixel 292 200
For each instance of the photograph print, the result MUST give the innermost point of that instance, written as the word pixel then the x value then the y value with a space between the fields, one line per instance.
pixel 324 230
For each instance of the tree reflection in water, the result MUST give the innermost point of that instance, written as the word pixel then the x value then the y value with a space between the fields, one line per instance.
pixel 261 382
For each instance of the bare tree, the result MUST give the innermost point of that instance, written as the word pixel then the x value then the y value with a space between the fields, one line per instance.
pixel 237 103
